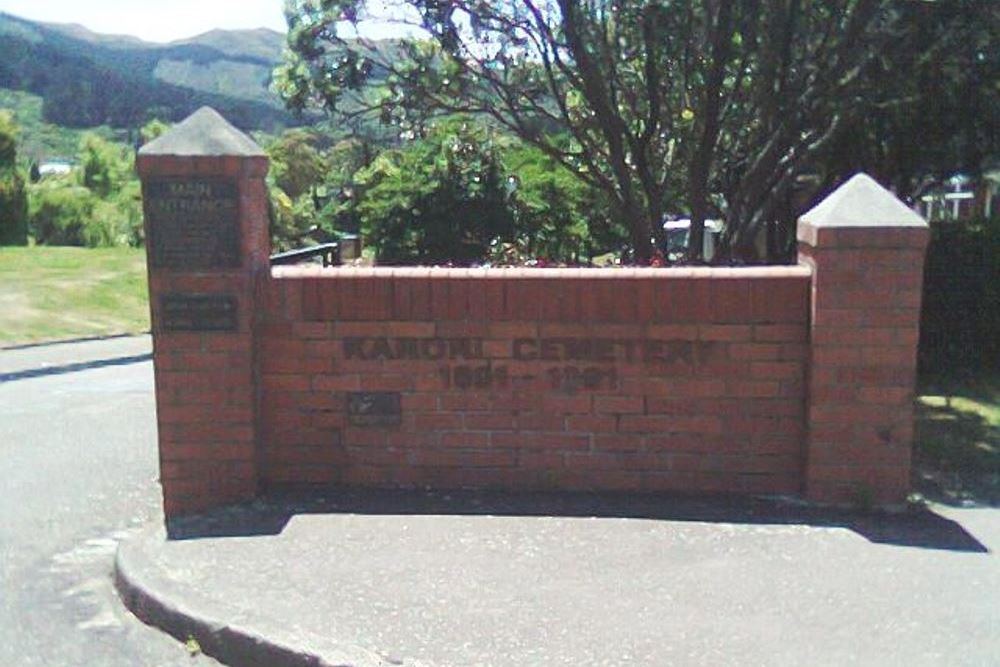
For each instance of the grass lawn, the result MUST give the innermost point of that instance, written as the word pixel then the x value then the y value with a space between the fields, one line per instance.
pixel 957 448
pixel 52 293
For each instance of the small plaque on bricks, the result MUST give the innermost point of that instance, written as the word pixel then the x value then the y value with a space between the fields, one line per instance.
pixel 193 224
pixel 198 312
pixel 380 408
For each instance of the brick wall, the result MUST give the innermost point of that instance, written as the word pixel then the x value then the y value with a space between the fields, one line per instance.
pixel 793 380
pixel 206 390
pixel 667 379
pixel 865 328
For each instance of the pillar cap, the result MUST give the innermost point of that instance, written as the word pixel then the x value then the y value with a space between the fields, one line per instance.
pixel 205 133
pixel 860 203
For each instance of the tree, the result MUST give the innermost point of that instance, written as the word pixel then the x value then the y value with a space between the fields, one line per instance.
pixel 13 199
pixel 438 200
pixel 61 212
pixel 714 106
pixel 296 164
pixel 154 129
pixel 298 167
pixel 558 217
pixel 942 117
pixel 104 166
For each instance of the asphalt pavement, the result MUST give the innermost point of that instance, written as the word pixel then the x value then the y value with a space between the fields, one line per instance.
pixel 449 579
pixel 442 579
pixel 78 470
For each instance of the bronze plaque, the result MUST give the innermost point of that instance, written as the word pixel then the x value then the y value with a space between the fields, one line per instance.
pixel 193 223
pixel 198 312
pixel 374 408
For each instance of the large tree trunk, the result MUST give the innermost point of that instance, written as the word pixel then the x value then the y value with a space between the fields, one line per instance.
pixel 720 35
pixel 640 233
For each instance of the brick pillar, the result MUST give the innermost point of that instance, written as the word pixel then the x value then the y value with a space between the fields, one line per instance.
pixel 866 251
pixel 207 242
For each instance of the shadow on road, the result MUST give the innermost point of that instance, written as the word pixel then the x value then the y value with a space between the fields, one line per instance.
pixel 918 527
pixel 73 368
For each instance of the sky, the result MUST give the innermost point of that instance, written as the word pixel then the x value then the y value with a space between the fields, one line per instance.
pixel 169 20
pixel 153 20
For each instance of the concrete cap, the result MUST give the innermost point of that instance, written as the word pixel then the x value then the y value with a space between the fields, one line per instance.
pixel 203 133
pixel 861 202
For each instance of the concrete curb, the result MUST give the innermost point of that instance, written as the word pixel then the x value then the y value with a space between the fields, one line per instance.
pixel 223 632
pixel 72 341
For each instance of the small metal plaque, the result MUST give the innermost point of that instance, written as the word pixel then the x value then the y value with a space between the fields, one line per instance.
pixel 198 312
pixel 374 408
pixel 193 224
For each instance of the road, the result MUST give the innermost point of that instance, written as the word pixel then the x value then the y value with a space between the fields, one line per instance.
pixel 78 468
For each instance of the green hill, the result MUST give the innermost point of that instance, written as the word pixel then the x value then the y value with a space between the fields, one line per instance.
pixel 39 140
pixel 86 79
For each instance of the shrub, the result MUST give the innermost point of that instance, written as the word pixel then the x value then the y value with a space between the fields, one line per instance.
pixel 13 200
pixel 60 210
pixel 960 320
pixel 13 208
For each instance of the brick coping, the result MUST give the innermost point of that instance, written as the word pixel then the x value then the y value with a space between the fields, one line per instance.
pixel 790 271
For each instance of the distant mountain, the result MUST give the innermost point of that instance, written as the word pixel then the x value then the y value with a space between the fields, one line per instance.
pixel 87 79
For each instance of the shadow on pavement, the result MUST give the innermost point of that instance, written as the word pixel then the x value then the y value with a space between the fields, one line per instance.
pixel 918 527
pixel 73 368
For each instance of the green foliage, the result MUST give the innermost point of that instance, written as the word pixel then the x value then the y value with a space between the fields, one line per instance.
pixel 442 199
pixel 99 206
pixel 13 208
pixel 298 167
pixel 942 115
pixel 104 166
pixel 64 213
pixel 13 198
pixel 960 319
pixel 296 164
pixel 558 216
pixel 8 140
pixel 712 108
pixel 60 210
pixel 154 129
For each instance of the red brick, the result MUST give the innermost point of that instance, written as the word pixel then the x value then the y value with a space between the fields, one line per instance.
pixel 591 424
pixel 535 421
pixel 755 351
pixel 616 442
pixel 886 395
pixel 419 402
pixel 360 329
pixel 555 441
pixel 383 382
pixel 753 388
pixel 489 422
pixel 779 333
pixel 888 356
pixel 614 405
pixel 566 404
pixel 725 332
pixel 289 382
pixel 504 330
pixel 438 422
pixel 836 355
pixel 332 382
pixel 533 460
pixel 466 401
pixel 421 298
pixel 465 439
